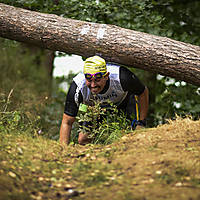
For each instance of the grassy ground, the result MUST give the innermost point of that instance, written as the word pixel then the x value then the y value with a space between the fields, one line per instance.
pixel 158 163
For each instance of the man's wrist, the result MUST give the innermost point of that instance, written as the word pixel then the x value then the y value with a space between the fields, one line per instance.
pixel 136 123
pixel 141 122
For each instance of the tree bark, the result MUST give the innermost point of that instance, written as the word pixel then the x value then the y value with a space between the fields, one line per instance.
pixel 127 47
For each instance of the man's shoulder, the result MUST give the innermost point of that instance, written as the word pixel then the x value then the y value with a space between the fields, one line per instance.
pixel 79 78
pixel 112 65
pixel 79 75
pixel 117 67
pixel 113 68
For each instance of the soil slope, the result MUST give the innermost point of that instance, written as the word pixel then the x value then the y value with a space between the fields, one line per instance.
pixel 148 164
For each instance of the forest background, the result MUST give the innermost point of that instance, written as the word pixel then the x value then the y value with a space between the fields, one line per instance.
pixel 30 96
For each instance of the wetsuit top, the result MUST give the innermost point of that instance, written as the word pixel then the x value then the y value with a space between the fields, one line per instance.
pixel 120 84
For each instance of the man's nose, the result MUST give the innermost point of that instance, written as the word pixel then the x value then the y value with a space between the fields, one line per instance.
pixel 93 83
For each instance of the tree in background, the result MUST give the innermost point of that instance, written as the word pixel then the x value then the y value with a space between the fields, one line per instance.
pixel 172 18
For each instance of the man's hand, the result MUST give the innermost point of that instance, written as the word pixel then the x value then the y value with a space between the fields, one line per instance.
pixel 139 127
pixel 138 124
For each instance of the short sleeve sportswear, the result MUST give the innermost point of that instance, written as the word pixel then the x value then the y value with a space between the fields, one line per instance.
pixel 130 82
pixel 71 107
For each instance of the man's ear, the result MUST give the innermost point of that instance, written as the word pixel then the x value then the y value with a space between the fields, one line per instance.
pixel 107 75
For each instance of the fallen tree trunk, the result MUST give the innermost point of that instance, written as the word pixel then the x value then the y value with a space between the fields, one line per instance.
pixel 131 48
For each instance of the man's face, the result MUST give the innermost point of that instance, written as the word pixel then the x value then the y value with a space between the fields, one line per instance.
pixel 97 85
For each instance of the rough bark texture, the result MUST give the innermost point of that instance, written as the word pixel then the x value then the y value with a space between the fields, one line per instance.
pixel 131 48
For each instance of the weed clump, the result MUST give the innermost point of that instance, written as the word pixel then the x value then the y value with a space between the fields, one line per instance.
pixel 104 124
pixel 16 119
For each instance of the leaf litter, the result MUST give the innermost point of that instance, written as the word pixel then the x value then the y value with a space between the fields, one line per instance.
pixel 156 163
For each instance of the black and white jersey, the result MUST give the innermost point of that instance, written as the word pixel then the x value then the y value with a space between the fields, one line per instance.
pixel 121 83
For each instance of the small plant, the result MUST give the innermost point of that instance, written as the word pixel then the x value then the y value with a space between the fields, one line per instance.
pixel 104 124
pixel 11 120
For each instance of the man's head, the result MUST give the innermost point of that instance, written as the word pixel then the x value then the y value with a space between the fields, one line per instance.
pixel 96 74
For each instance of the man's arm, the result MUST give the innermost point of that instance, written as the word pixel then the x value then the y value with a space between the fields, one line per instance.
pixel 144 103
pixel 71 110
pixel 65 129
pixel 131 83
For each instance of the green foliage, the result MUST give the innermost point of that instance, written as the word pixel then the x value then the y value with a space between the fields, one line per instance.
pixel 176 97
pixel 21 94
pixel 25 102
pixel 107 124
pixel 16 62
pixel 18 121
pixel 173 18
pixel 181 19
pixel 38 168
pixel 54 106
pixel 47 6
pixel 139 15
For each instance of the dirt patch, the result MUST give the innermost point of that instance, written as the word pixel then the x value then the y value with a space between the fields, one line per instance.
pixel 157 163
